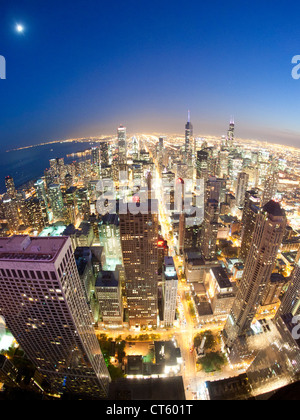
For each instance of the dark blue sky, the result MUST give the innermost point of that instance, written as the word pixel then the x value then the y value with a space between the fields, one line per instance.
pixel 83 67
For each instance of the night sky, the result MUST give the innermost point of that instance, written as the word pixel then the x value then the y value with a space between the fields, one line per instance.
pixel 84 67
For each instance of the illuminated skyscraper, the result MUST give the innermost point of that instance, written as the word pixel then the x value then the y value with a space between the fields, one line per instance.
pixel 139 237
pixel 122 145
pixel 241 188
pixel 43 303
pixel 210 229
pixel 267 237
pixel 169 287
pixel 230 134
pixel 251 208
pixel 96 160
pixel 11 214
pixel 104 154
pixel 291 301
pixel 10 186
pixel 56 201
pixel 271 183
pixel 188 139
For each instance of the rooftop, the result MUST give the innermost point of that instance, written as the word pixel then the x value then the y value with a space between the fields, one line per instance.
pixel 26 248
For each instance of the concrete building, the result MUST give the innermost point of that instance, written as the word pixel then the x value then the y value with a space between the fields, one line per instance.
pixel 44 305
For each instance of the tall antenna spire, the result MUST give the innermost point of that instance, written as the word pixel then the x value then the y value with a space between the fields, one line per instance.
pixel 189 116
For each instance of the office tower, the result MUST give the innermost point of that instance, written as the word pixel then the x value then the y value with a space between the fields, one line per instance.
pixel 139 236
pixel 267 237
pixel 50 177
pixel 104 155
pixel 34 215
pixel 10 186
pixel 11 214
pixel 220 290
pixel 230 135
pixel 109 238
pixel 56 201
pixel 86 262
pixel 223 163
pixel 188 141
pixel 169 287
pixel 122 145
pixel 270 184
pixel 68 181
pixel 71 205
pixel 44 306
pixel 274 289
pixel 95 161
pixel 251 207
pixel 241 188
pixel 210 230
pixel 41 191
pixel 135 148
pixel 108 289
pixel 215 189
pixel 202 164
pixel 291 300
pixel 83 203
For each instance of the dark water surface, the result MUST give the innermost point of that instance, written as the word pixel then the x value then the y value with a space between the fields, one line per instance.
pixel 29 164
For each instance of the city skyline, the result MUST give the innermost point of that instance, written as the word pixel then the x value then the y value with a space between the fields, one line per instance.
pixel 133 70
pixel 149 202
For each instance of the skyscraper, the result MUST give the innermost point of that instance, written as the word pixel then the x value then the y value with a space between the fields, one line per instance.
pixel 267 237
pixel 11 212
pixel 169 287
pixel 251 208
pixel 241 188
pixel 139 236
pixel 56 201
pixel 210 229
pixel 10 186
pixel 271 183
pixel 43 302
pixel 230 135
pixel 122 145
pixel 291 301
pixel 188 139
pixel 95 152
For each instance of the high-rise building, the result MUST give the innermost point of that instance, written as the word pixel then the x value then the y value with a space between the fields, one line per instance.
pixel 56 201
pixel 139 237
pixel 95 152
pixel 188 139
pixel 44 306
pixel 210 229
pixel 230 135
pixel 34 214
pixel 169 287
pixel 241 188
pixel 251 207
pixel 291 300
pixel 109 293
pixel 11 214
pixel 267 237
pixel 122 145
pixel 104 154
pixel 270 183
pixel 10 186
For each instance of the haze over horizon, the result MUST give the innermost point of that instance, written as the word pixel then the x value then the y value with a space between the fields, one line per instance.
pixel 82 69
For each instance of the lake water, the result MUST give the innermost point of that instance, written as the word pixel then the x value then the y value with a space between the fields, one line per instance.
pixel 29 164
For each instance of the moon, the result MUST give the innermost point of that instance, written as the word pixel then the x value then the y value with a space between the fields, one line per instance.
pixel 19 28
